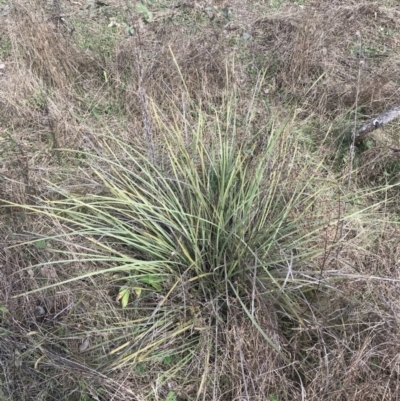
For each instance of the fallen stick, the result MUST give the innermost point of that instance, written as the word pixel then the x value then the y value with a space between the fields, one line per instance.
pixel 377 122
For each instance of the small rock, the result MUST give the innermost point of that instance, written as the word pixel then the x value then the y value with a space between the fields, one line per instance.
pixel 85 345
pixel 39 311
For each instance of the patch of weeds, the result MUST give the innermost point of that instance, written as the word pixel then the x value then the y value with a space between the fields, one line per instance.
pixel 375 363
pixel 392 171
pixel 41 244
pixel 196 19
pixel 97 36
pixel 339 142
pixel 366 145
pixel 138 286
pixel 38 100
pixel 144 12
pixel 140 368
pixel 368 50
pixel 5 47
pixel 272 397
pixel 386 32
pixel 171 396
pixel 277 4
pixel 257 65
pixel 110 109
pixel 169 360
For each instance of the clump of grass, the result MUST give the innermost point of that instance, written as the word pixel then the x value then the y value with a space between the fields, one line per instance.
pixel 209 234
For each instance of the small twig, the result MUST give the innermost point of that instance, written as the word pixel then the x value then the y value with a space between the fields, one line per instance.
pixel 289 271
pixel 244 376
pixel 353 138
pixel 62 311
pixel 253 295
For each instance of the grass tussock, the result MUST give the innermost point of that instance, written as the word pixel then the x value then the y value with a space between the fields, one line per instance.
pixel 187 219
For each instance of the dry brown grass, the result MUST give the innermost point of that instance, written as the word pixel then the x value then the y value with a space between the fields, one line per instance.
pixel 333 56
pixel 325 58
